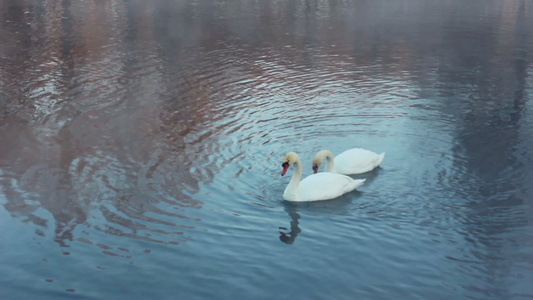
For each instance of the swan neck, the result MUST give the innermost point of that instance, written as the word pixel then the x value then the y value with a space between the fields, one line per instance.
pixel 330 163
pixel 291 192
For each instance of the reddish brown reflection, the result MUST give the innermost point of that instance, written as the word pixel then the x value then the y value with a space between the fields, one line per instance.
pixel 83 132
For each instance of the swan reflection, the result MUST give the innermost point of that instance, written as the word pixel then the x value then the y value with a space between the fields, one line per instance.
pixel 290 237
pixel 335 206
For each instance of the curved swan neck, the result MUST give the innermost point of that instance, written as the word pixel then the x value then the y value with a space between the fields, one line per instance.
pixel 297 176
pixel 330 161
pixel 291 192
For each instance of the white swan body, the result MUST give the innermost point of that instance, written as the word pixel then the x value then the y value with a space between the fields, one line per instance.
pixel 315 187
pixel 353 161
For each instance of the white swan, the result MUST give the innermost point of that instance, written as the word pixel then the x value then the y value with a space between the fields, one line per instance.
pixel 353 161
pixel 315 187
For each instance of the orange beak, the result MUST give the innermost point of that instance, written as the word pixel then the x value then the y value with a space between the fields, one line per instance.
pixel 285 166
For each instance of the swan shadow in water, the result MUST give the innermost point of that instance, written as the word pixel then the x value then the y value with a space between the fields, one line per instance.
pixel 370 176
pixel 327 206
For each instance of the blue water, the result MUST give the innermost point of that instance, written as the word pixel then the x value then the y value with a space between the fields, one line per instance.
pixel 141 148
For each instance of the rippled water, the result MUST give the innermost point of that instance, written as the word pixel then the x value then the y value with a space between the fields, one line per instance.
pixel 141 145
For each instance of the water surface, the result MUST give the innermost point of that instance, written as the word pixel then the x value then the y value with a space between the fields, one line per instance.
pixel 141 147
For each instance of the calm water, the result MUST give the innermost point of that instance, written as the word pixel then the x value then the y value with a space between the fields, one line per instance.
pixel 141 145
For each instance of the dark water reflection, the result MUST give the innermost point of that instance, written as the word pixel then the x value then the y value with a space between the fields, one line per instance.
pixel 144 139
pixel 288 235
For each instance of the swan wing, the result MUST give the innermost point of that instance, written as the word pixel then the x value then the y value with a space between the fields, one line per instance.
pixel 357 160
pixel 324 186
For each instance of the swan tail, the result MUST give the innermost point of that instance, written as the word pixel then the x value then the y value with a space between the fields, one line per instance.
pixel 357 183
pixel 380 158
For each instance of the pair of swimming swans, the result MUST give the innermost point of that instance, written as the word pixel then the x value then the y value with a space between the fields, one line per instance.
pixel 332 183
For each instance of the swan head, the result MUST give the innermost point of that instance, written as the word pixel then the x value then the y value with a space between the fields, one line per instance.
pixel 316 163
pixel 289 159
pixel 319 159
